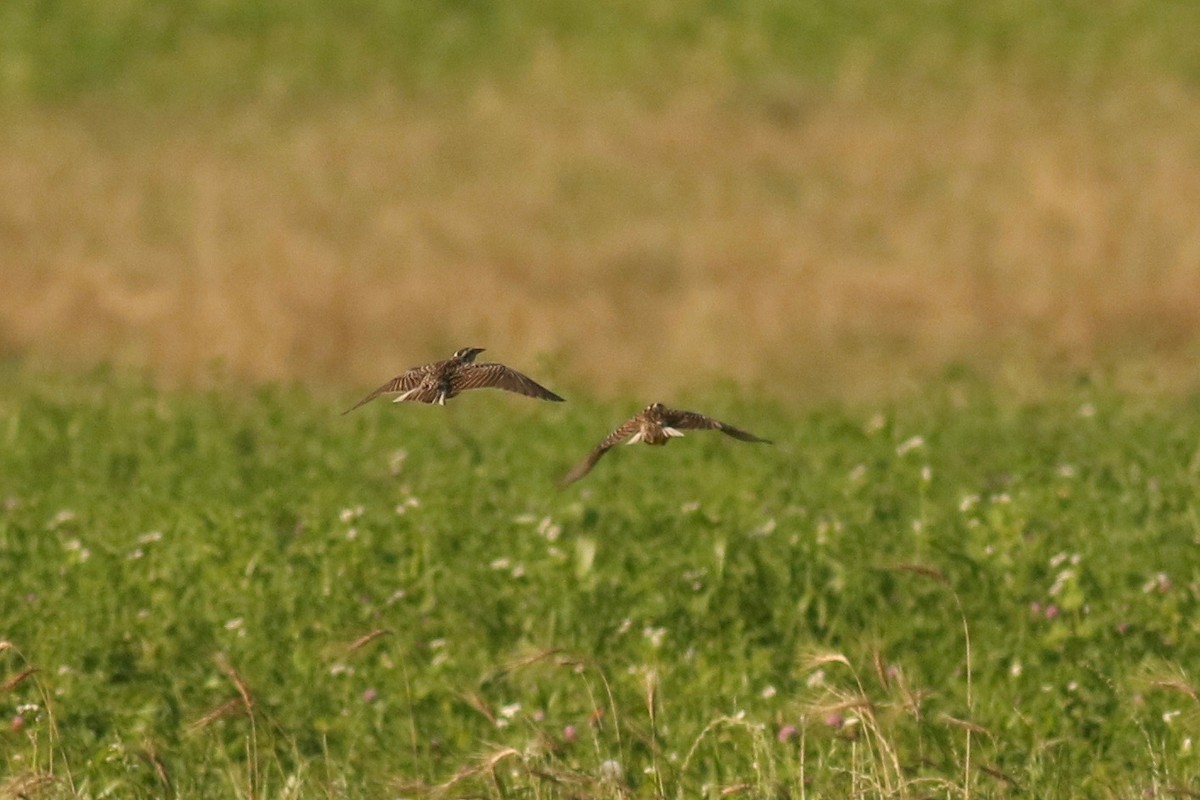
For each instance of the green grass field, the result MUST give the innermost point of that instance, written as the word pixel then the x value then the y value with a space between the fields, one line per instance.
pixel 228 594
pixel 943 252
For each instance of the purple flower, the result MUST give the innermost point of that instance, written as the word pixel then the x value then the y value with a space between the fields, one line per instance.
pixel 786 733
pixel 370 696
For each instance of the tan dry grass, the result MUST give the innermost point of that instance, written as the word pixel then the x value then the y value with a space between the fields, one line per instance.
pixel 823 243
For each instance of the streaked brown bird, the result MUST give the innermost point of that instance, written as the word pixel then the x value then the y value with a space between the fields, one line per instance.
pixel 656 424
pixel 441 380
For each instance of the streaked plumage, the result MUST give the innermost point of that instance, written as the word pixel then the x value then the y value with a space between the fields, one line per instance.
pixel 441 380
pixel 656 425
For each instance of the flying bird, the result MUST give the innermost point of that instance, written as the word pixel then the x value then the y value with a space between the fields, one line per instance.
pixel 655 424
pixel 441 380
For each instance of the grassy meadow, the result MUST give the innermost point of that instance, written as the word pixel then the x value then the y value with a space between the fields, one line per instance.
pixel 240 594
pixel 945 254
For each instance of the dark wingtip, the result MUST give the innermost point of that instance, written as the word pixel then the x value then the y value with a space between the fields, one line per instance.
pixel 573 475
pixel 359 404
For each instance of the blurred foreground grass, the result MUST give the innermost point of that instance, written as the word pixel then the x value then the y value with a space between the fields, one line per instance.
pixel 244 594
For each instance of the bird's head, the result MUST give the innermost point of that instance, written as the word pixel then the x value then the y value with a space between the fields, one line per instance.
pixel 468 354
pixel 655 408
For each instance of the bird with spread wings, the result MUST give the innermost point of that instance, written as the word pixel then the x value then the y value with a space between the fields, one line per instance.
pixel 442 380
pixel 655 425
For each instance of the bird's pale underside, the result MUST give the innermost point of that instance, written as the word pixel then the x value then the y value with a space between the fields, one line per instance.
pixel 655 425
pixel 442 380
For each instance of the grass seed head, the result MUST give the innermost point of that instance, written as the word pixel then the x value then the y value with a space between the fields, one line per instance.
pixel 16 680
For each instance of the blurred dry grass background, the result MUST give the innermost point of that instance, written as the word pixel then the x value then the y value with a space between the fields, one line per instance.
pixel 842 239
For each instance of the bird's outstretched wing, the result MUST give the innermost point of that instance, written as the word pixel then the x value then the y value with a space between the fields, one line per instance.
pixel 401 383
pixel 498 376
pixel 690 420
pixel 627 429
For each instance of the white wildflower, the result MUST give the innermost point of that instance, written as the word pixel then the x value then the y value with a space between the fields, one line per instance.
pixel 654 635
pixel 1160 583
pixel 76 546
pixel 1060 581
pixel 549 529
pixel 910 444
pixel 611 771
pixel 766 529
